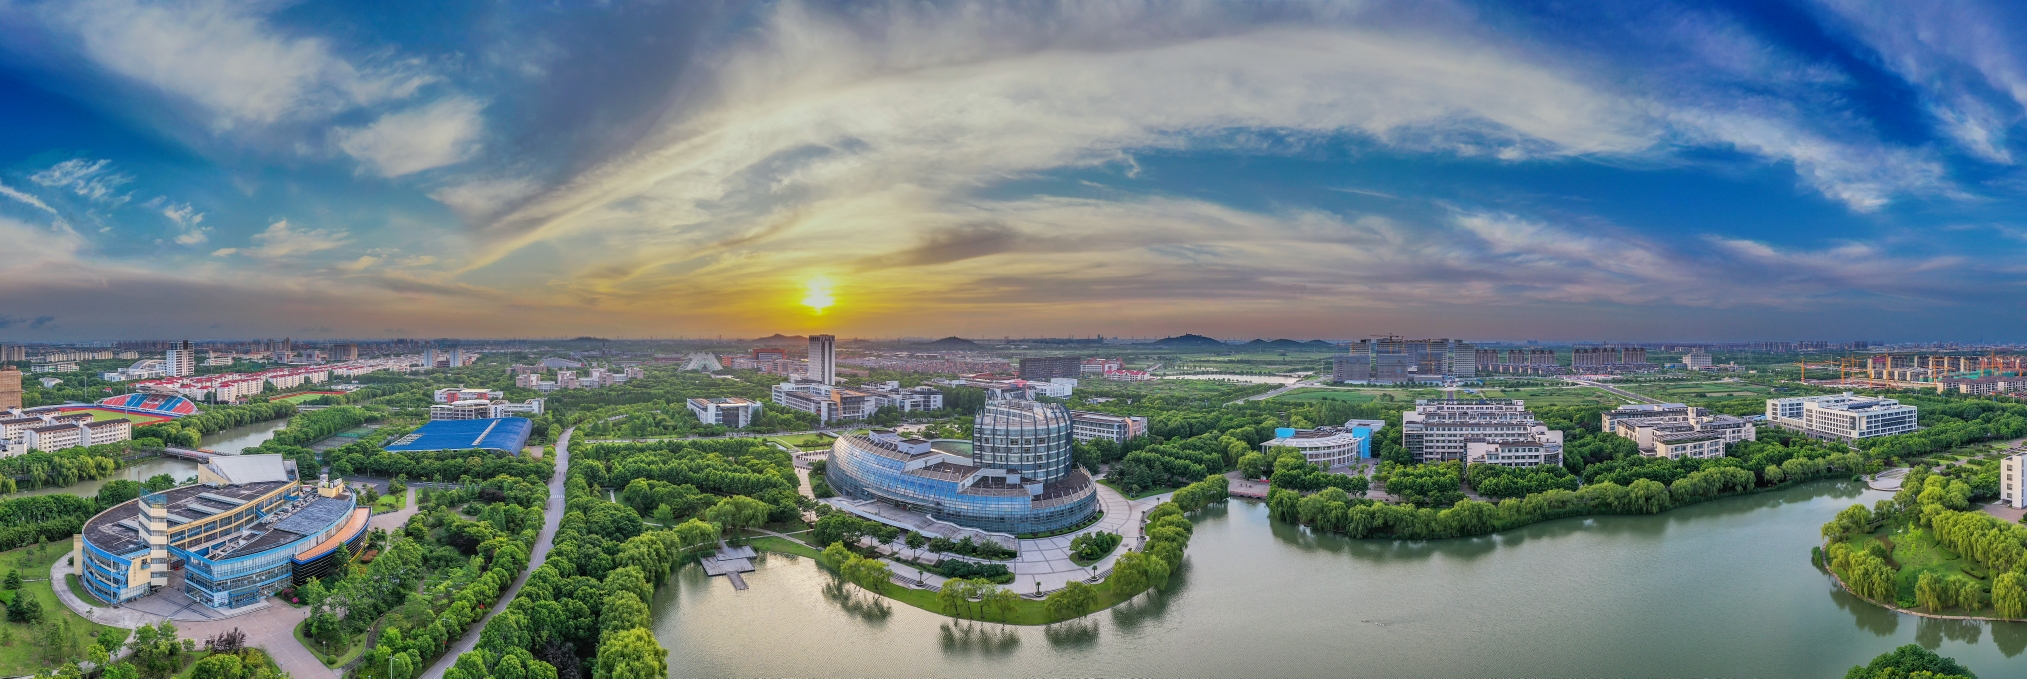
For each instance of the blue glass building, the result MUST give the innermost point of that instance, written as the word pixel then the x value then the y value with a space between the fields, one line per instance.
pixel 247 529
pixel 1014 476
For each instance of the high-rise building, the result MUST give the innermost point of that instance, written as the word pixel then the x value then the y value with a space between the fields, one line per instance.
pixel 1045 368
pixel 2013 480
pixel 182 360
pixel 428 357
pixel 344 352
pixel 823 358
pixel 10 388
pixel 13 353
pixel 457 357
pixel 1696 360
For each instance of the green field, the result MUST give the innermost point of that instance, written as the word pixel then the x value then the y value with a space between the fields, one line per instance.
pixel 307 396
pixel 98 415
pixel 20 646
pixel 803 441
pixel 1694 390
pixel 1547 396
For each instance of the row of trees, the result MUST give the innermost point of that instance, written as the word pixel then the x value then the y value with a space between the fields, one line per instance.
pixel 318 425
pixel 38 469
pixel 1937 504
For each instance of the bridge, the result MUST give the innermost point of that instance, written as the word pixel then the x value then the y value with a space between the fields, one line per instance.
pixel 199 456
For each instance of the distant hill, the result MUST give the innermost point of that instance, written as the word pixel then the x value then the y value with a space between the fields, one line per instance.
pixel 778 338
pixel 1189 341
pixel 1289 345
pixel 952 342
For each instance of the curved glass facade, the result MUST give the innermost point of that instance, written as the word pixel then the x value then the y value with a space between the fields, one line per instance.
pixel 914 476
pixel 1023 436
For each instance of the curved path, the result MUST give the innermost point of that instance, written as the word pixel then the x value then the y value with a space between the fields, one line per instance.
pixel 552 518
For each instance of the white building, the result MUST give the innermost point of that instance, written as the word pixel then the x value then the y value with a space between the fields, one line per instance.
pixel 1523 453
pixel 1842 416
pixel 731 412
pixel 823 358
pixel 483 409
pixel 182 360
pixel 1326 447
pixel 455 394
pixel 1675 430
pixel 1439 431
pixel 1086 425
pixel 2013 480
pixel 1056 387
pixel 1696 360
pixel 56 437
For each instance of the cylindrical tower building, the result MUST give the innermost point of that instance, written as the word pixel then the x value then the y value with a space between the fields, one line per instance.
pixel 1028 437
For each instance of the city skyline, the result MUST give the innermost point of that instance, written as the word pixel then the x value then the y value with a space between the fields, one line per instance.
pixel 1666 171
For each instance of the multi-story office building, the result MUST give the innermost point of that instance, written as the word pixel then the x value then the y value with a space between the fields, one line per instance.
pixel 823 358
pixel 905 399
pixel 1696 360
pixel 2013 480
pixel 247 529
pixel 1045 368
pixel 1844 416
pixel 182 360
pixel 483 409
pixel 61 435
pixel 825 401
pixel 1013 476
pixel 730 412
pixel 1676 430
pixel 1438 431
pixel 1086 426
pixel 1351 368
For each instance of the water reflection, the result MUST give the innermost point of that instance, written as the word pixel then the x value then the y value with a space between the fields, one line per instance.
pixel 977 638
pixel 1930 632
pixel 2010 637
pixel 1869 616
pixel 1079 633
pixel 861 604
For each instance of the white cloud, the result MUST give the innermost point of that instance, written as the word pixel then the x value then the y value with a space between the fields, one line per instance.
pixel 1965 60
pixel 281 241
pixel 480 198
pixel 406 142
pixel 93 180
pixel 223 56
pixel 186 219
pixel 31 201
pixel 1865 177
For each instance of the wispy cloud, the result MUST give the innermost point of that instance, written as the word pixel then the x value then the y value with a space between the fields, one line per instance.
pixel 93 180
pixel 24 198
pixel 225 57
pixel 284 242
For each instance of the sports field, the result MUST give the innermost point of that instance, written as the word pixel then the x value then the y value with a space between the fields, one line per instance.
pixel 102 414
pixel 308 396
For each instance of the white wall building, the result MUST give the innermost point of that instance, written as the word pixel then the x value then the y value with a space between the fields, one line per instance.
pixel 1843 416
pixel 731 412
pixel 1439 431
pixel 1326 447
pixel 1086 425
pixel 2013 481
pixel 182 360
pixel 823 358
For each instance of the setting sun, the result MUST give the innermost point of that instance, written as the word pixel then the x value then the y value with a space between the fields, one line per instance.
pixel 818 296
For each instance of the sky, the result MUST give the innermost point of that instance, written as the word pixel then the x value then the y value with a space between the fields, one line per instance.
pixel 1587 171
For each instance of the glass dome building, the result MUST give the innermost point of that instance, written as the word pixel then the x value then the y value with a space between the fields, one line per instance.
pixel 1014 476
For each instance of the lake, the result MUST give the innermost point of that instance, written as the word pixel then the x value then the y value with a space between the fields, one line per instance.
pixel 1248 379
pixel 231 440
pixel 1722 588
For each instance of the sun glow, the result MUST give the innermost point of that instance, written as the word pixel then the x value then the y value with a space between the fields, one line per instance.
pixel 818 296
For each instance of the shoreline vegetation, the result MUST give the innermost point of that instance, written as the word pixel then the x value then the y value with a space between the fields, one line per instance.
pixel 1925 552
pixel 1168 530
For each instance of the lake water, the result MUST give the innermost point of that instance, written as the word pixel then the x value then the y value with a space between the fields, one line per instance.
pixel 1718 589
pixel 1248 379
pixel 231 440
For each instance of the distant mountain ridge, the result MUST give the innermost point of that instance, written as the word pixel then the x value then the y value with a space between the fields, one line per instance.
pixel 951 342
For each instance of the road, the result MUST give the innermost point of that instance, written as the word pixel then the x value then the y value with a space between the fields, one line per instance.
pixel 1613 390
pixel 552 519
pixel 1283 389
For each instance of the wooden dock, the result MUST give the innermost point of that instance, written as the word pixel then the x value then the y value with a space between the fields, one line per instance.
pixel 730 562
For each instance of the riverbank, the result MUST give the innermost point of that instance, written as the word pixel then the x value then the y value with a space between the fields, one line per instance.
pixel 1910 611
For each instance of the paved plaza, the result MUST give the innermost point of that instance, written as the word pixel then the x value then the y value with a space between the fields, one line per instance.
pixel 1046 562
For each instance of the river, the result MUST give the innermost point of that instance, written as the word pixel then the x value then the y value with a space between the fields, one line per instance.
pixel 1248 379
pixel 1722 588
pixel 228 441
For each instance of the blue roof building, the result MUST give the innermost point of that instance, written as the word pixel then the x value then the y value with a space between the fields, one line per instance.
pixel 504 434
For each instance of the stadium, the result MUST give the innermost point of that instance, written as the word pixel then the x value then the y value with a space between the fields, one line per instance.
pixel 504 434
pixel 248 528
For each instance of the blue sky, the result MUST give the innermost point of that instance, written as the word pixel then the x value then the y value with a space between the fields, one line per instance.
pixel 1551 170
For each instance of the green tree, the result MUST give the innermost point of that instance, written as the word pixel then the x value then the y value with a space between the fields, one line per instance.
pixel 218 666
pixel 1929 592
pixel 1904 662
pixel 632 654
pixel 1072 601
pixel 2009 595
pixel 13 581
pixel 738 512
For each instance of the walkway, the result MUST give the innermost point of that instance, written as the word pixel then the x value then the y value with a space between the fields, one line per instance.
pixel 394 520
pixel 1044 564
pixel 552 519
pixel 272 629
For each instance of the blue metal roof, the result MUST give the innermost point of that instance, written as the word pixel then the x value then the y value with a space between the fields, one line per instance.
pixel 505 434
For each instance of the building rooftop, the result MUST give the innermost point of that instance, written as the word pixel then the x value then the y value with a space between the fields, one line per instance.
pixel 505 434
pixel 117 530
pixel 242 469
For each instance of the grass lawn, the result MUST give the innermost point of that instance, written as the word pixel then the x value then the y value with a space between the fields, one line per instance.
pixel 354 646
pixel 1343 395
pixel 1135 496
pixel 77 588
pixel 390 503
pixel 306 396
pixel 1915 552
pixel 20 650
pixel 803 441
pixel 100 415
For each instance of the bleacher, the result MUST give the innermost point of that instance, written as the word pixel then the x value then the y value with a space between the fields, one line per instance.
pixel 165 405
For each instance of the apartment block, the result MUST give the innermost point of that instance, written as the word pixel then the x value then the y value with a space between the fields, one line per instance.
pixel 1442 430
